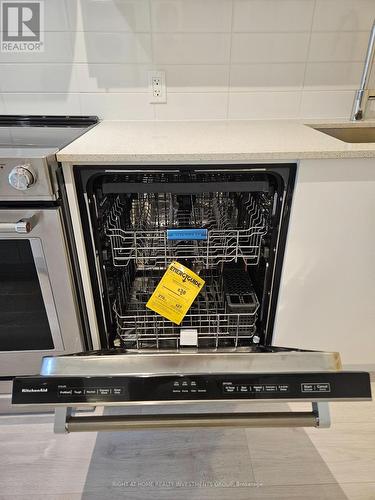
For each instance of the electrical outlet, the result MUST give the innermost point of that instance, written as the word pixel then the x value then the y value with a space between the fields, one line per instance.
pixel 158 90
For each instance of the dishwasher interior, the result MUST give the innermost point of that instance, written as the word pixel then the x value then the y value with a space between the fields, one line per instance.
pixel 224 226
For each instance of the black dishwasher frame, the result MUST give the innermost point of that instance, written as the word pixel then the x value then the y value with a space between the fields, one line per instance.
pixel 85 178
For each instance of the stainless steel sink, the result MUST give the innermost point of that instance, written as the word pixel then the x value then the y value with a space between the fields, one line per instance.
pixel 350 134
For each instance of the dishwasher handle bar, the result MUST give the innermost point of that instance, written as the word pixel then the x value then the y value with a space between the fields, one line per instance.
pixel 66 422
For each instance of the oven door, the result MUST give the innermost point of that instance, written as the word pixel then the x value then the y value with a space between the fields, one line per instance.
pixel 38 313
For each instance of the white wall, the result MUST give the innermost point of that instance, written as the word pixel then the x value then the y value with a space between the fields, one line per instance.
pixel 233 59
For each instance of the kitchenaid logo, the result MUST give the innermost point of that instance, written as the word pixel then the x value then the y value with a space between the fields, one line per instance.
pixel 22 26
pixel 185 276
pixel 40 389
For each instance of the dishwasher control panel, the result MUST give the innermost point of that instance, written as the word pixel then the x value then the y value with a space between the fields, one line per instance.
pixel 239 389
pixel 121 389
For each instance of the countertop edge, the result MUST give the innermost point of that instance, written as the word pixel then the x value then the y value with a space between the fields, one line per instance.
pixel 220 157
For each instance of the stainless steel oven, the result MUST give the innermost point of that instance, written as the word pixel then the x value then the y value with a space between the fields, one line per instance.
pixel 40 313
pixel 228 224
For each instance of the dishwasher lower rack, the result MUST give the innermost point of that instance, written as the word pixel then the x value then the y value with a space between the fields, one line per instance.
pixel 234 226
pixel 217 317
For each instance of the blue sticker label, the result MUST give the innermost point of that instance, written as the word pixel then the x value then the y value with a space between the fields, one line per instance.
pixel 187 234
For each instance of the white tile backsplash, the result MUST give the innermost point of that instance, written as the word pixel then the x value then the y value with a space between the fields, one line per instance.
pixel 197 78
pixel 194 106
pixel 197 48
pixel 261 75
pixel 192 16
pixel 111 77
pixel 263 105
pixel 333 74
pixel 116 47
pixel 74 14
pixel 107 15
pixel 269 47
pixel 272 15
pixel 56 16
pixel 42 104
pixel 343 15
pixel 2 105
pixel 233 59
pixel 326 104
pixel 338 46
pixel 117 106
pixel 27 78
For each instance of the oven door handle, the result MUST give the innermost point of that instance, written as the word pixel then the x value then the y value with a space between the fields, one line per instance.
pixel 66 422
pixel 23 226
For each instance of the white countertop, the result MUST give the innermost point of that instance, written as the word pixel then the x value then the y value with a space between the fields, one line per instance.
pixel 207 141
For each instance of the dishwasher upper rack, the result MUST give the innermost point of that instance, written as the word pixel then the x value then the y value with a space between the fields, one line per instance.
pixel 210 315
pixel 140 233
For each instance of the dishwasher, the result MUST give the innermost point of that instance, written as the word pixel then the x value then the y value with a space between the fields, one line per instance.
pixel 227 226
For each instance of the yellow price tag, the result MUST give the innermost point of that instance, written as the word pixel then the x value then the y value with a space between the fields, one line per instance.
pixel 175 292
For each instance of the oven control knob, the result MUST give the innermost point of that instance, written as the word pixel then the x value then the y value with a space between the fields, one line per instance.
pixel 21 177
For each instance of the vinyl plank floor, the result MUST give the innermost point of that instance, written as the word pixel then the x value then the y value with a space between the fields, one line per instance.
pixel 22 419
pixel 359 491
pixel 348 450
pixel 37 496
pixel 169 458
pixel 34 460
pixel 288 492
pixel 286 457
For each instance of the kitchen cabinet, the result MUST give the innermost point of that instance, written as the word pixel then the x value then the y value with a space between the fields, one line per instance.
pixel 327 291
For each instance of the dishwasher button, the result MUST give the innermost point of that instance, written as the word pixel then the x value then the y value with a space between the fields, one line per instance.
pixel 91 392
pixel 117 391
pixel 78 392
pixel 244 388
pixel 283 388
pixel 65 392
pixel 271 388
pixel 229 388
pixel 104 391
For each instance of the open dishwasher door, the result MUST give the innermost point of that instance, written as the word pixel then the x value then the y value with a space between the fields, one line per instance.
pixel 187 377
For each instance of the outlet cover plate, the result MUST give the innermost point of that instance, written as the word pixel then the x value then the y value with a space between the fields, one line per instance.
pixel 157 87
